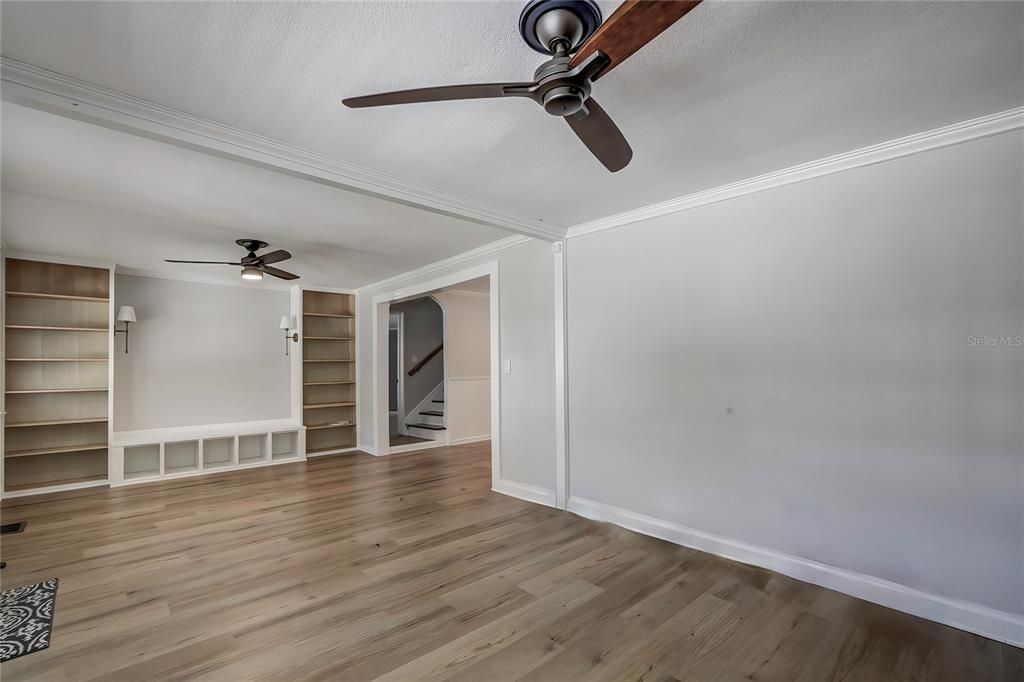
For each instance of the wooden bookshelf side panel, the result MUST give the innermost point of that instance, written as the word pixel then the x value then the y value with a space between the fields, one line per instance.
pixel 55 469
pixel 321 440
pixel 37 343
pixel 38 407
pixel 57 278
pixel 58 436
pixel 28 376
pixel 43 312
pixel 327 303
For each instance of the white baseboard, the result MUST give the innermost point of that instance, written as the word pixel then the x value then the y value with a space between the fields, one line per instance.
pixel 469 439
pixel 412 447
pixel 982 620
pixel 530 493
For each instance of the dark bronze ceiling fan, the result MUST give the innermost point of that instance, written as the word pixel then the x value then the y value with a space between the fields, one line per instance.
pixel 582 50
pixel 253 266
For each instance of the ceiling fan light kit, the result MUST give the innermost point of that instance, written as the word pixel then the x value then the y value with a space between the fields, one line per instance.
pixel 253 266
pixel 582 49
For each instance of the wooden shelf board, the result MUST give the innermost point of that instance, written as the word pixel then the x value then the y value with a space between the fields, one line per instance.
pixel 55 451
pixel 58 297
pixel 56 422
pixel 56 359
pixel 343 403
pixel 314 427
pixel 58 329
pixel 51 484
pixel 328 315
pixel 336 361
pixel 328 383
pixel 328 338
pixel 58 390
pixel 329 448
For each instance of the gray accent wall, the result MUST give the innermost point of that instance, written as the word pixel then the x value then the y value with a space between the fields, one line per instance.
pixel 807 369
pixel 200 354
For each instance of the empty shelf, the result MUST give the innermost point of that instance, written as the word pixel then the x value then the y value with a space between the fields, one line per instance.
pixel 56 359
pixel 344 403
pixel 326 315
pixel 328 360
pixel 58 297
pixel 57 329
pixel 329 448
pixel 328 383
pixel 328 338
pixel 56 450
pixel 329 426
pixel 58 390
pixel 56 422
pixel 99 478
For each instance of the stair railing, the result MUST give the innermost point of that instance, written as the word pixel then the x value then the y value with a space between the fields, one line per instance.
pixel 427 358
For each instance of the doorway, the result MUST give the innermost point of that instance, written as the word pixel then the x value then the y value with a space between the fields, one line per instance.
pixel 473 413
pixel 416 371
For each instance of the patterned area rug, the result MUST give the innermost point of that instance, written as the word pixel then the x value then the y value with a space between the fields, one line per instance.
pixel 26 616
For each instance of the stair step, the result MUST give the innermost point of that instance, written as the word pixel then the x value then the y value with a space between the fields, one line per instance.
pixel 433 413
pixel 428 427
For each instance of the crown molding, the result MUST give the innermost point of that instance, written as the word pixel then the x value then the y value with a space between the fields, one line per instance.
pixel 480 252
pixel 957 133
pixel 45 90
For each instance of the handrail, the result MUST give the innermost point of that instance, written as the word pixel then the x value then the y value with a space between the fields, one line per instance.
pixel 427 358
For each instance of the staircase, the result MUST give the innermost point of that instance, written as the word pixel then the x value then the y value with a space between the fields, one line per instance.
pixel 428 421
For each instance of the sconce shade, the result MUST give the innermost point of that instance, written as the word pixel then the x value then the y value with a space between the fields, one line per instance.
pixel 126 313
pixel 285 322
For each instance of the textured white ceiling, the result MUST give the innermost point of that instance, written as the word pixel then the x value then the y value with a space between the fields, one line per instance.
pixel 733 90
pixel 177 203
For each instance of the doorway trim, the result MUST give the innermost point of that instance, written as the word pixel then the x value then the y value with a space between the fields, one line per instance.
pixel 379 364
pixel 399 318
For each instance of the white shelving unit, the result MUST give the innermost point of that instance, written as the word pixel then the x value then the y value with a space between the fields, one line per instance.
pixel 158 454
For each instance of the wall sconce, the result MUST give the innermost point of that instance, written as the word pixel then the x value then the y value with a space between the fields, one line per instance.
pixel 126 314
pixel 286 325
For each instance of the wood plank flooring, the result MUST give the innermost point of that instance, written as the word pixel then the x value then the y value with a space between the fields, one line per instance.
pixel 408 568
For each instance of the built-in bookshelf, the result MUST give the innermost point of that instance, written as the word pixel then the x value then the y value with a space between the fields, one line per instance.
pixel 57 336
pixel 328 371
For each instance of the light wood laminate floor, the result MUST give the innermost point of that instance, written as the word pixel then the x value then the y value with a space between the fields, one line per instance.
pixel 409 568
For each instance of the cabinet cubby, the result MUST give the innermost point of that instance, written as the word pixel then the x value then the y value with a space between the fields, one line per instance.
pixel 142 461
pixel 252 448
pixel 218 452
pixel 181 457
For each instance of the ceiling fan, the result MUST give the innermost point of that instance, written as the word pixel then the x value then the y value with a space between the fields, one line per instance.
pixel 582 50
pixel 253 266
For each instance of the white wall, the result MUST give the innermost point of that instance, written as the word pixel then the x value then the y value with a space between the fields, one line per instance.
pixel 199 354
pixel 526 309
pixel 794 369
pixel 467 353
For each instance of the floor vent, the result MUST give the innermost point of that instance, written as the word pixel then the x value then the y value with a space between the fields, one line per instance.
pixel 9 528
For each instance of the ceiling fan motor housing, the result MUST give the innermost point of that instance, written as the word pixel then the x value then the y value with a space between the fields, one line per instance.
pixel 544 24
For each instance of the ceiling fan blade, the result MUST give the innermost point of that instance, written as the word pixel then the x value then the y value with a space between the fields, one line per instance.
pixel 280 274
pixel 205 262
pixel 602 137
pixel 634 24
pixel 443 93
pixel 274 256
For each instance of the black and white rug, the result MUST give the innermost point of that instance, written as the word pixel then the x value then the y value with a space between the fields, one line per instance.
pixel 26 616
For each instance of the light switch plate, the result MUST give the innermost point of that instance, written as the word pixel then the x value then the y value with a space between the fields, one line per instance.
pixel 506 367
